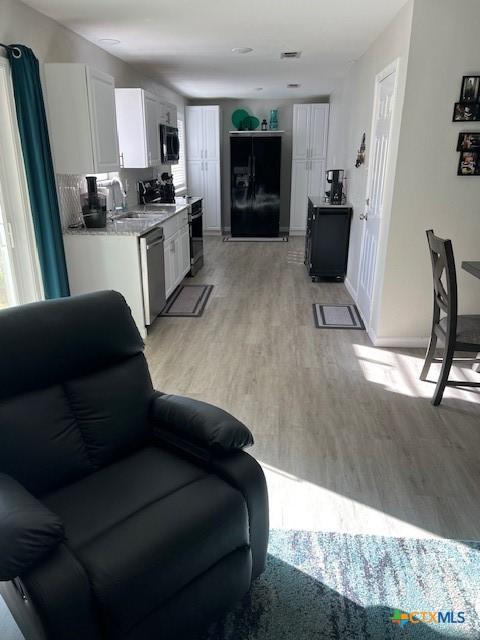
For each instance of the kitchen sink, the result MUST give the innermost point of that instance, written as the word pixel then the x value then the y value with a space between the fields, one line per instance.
pixel 137 215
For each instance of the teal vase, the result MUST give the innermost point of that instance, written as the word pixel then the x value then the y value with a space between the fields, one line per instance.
pixel 273 119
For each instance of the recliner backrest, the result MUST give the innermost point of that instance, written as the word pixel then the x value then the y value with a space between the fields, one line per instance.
pixel 74 388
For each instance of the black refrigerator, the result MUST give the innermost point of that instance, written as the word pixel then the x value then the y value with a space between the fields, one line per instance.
pixel 255 185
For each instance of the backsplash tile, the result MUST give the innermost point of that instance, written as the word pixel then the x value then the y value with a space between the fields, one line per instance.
pixel 69 188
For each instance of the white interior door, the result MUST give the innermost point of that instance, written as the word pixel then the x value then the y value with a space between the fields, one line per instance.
pixel 377 173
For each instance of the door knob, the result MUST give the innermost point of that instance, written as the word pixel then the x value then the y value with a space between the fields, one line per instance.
pixel 363 216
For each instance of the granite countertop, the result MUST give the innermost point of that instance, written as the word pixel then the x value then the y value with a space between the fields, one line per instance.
pixel 150 216
pixel 319 201
pixel 188 200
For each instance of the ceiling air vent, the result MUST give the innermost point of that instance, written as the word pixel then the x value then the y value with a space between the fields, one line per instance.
pixel 290 54
pixel 293 85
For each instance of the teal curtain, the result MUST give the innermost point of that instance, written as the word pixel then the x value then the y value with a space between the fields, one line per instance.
pixel 32 123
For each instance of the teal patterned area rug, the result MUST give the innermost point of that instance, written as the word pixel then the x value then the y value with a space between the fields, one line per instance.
pixel 329 586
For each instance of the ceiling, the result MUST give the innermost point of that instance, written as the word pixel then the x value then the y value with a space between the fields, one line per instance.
pixel 187 44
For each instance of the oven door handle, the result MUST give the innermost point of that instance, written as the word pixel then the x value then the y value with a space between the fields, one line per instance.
pixel 196 216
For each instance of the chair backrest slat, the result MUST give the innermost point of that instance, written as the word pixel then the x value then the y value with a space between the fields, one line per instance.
pixel 443 267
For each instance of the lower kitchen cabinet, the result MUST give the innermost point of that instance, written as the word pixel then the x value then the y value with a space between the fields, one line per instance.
pixel 177 256
pixel 327 239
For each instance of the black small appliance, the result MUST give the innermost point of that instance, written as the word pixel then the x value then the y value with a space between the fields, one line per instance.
pixel 94 205
pixel 335 180
pixel 169 144
pixel 154 191
pixel 167 188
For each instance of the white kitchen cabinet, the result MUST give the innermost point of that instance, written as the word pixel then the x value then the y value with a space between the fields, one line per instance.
pixel 82 122
pixel 203 161
pixel 97 262
pixel 184 238
pixel 169 264
pixel 138 117
pixel 176 251
pixel 309 152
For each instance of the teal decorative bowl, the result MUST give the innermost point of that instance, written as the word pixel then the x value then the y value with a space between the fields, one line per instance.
pixel 238 118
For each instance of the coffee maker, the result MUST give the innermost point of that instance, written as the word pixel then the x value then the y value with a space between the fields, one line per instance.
pixel 335 180
pixel 167 188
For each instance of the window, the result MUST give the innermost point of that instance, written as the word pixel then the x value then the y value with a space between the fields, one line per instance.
pixel 179 171
pixel 20 280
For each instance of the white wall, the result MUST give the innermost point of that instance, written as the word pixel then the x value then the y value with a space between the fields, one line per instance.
pixel 52 42
pixel 428 193
pixel 260 108
pixel 352 108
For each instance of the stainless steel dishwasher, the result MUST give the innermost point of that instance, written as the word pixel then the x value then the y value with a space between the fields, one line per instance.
pixel 153 273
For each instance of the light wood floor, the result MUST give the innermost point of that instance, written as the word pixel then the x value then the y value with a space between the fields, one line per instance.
pixel 346 432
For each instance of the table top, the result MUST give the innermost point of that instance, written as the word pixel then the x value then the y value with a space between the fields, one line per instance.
pixel 472 267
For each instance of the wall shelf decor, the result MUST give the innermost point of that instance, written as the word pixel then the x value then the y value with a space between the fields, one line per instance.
pixel 467 109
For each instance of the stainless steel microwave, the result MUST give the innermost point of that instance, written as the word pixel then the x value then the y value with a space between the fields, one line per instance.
pixel 169 143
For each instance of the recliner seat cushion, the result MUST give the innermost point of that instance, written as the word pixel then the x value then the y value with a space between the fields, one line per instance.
pixel 100 501
pixel 151 524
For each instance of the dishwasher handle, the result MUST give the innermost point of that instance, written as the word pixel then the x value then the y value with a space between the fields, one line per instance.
pixel 154 244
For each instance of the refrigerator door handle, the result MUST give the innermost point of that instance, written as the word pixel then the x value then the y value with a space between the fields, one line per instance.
pixel 254 186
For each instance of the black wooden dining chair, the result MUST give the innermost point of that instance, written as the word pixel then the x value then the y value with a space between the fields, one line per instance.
pixel 458 333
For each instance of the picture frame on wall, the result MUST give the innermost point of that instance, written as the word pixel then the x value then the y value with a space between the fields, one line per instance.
pixel 468 141
pixel 469 164
pixel 466 112
pixel 470 89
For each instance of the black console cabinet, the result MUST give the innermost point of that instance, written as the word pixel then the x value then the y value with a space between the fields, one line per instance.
pixel 327 238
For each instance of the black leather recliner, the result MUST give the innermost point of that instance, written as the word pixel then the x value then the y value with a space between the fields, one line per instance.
pixel 124 513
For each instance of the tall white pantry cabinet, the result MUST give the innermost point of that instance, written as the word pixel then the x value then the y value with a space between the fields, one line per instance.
pixel 309 155
pixel 202 126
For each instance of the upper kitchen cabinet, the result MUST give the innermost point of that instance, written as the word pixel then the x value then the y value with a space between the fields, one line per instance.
pixel 203 132
pixel 139 114
pixel 203 161
pixel 82 121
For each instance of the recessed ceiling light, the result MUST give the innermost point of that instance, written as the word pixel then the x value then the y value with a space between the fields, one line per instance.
pixel 242 49
pixel 109 41
pixel 293 85
pixel 258 88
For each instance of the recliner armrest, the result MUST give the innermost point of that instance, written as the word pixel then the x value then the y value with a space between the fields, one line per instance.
pixel 28 530
pixel 197 427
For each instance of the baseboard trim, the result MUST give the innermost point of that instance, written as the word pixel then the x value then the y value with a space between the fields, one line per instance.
pixel 297 232
pixel 350 289
pixel 400 343
pixel 212 232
